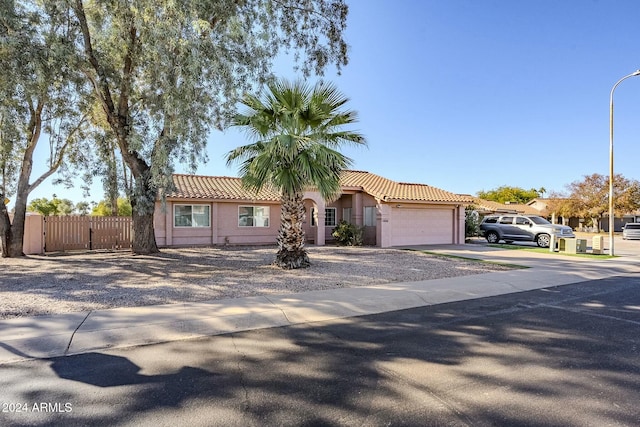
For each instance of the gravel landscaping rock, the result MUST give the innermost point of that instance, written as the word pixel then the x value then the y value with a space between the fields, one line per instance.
pixel 38 285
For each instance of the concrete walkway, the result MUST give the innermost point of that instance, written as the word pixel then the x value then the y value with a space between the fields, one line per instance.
pixel 73 333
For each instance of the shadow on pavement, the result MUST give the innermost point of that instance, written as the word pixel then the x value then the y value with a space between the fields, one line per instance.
pixel 565 355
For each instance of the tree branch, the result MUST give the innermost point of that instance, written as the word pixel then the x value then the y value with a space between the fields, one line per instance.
pixel 60 155
pixel 302 9
pixel 101 83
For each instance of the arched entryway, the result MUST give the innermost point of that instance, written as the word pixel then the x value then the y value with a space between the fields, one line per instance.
pixel 314 227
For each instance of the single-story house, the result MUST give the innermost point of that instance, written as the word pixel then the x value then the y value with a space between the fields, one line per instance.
pixel 217 210
pixel 487 207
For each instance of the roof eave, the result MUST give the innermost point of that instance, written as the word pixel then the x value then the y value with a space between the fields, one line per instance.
pixel 433 202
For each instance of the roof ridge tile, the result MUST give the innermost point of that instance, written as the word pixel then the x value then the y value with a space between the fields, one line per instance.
pixel 230 188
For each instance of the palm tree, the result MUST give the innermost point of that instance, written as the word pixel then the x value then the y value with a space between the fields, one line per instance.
pixel 296 131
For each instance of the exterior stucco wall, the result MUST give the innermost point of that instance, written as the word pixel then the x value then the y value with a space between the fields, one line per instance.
pixel 356 201
pixel 387 232
pixel 33 240
pixel 316 234
pixel 309 230
pixel 223 229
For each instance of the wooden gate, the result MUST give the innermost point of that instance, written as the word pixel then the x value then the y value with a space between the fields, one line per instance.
pixel 66 233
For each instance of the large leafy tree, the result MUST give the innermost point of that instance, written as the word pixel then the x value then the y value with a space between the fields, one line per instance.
pixel 589 197
pixel 105 208
pixel 165 71
pixel 562 205
pixel 297 130
pixel 510 194
pixel 55 206
pixel 40 101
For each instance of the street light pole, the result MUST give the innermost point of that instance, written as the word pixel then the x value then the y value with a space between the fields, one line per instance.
pixel 611 213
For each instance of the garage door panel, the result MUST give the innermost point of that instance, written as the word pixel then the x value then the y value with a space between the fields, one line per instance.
pixel 421 226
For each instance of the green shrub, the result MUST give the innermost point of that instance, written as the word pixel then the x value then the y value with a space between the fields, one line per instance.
pixel 348 234
pixel 471 222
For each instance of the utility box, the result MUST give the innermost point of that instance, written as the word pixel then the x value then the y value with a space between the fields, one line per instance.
pixel 573 246
pixel 597 245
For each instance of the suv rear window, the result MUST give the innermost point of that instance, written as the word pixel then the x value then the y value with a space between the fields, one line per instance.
pixel 491 220
pixel 632 227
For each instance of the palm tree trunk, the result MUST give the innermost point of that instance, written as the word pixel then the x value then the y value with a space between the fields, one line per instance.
pixel 291 251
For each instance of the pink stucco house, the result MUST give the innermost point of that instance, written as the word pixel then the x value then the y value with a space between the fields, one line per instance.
pixel 215 210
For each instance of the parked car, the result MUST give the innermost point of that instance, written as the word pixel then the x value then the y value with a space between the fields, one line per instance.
pixel 523 228
pixel 631 231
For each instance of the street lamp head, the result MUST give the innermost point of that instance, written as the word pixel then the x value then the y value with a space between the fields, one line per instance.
pixel 637 73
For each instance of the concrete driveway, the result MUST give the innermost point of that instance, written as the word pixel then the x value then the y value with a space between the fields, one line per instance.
pixel 622 247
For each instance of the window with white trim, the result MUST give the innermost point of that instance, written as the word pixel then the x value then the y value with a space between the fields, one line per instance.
pixel 370 216
pixel 329 217
pixel 253 216
pixel 191 215
pixel 346 214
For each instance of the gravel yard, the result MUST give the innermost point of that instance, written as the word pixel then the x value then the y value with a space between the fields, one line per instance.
pixel 38 285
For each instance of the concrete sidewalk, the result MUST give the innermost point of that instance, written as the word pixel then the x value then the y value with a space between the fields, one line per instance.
pixel 73 333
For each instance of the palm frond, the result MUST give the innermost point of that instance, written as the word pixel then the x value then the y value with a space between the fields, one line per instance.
pixel 297 130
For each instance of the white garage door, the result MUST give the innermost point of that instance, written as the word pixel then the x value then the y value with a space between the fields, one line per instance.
pixel 421 226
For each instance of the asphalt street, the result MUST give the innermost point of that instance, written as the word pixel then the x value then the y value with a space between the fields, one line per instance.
pixel 559 356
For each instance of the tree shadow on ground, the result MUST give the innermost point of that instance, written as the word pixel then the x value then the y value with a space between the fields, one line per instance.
pixel 74 283
pixel 565 355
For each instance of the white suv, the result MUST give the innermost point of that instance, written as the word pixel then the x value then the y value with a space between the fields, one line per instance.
pixel 524 228
pixel 631 230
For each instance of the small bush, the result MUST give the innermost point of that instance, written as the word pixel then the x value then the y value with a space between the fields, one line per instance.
pixel 471 222
pixel 347 234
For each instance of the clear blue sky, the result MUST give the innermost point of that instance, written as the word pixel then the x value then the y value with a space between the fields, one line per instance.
pixel 470 95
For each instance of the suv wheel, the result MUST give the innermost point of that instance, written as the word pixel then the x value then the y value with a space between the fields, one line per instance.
pixel 492 237
pixel 543 240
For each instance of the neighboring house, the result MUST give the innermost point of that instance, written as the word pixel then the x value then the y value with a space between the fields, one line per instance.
pixel 619 222
pixel 546 209
pixel 210 210
pixel 537 206
pixel 486 207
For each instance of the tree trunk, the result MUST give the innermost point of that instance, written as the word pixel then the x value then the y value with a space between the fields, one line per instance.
pixel 144 241
pixel 118 115
pixel 143 206
pixel 112 178
pixel 16 230
pixel 5 229
pixel 291 251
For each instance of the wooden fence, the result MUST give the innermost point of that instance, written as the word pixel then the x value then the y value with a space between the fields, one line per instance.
pixel 66 233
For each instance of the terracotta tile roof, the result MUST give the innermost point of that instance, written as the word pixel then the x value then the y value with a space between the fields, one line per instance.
pixel 228 188
pixel 217 188
pixel 490 206
pixel 388 190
